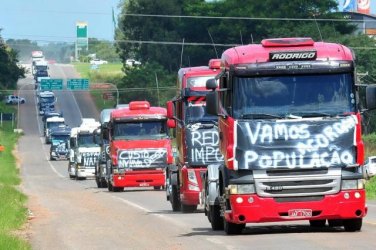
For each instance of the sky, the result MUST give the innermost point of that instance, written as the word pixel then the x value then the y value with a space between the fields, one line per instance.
pixel 55 20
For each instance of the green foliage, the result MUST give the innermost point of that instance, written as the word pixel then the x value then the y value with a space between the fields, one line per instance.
pixel 9 70
pixel 24 47
pixel 149 82
pixel 371 188
pixel 104 50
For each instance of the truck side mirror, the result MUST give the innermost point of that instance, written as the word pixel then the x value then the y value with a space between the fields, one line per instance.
pixel 212 99
pixel 371 97
pixel 171 123
pixel 170 109
pixel 211 84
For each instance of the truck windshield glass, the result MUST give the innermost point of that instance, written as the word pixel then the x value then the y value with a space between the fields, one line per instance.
pixel 86 140
pixel 49 99
pixel 60 138
pixel 51 125
pixel 293 96
pixel 145 130
pixel 199 81
pixel 196 112
pixel 42 73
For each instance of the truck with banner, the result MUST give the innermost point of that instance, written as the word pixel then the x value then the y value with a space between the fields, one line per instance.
pixel 290 132
pixel 59 143
pixel 196 136
pixel 140 147
pixel 84 150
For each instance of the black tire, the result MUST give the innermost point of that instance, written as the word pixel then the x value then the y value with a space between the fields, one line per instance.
pixel 215 218
pixel 188 208
pixel 23 101
pixel 99 183
pixel 118 189
pixel 335 223
pixel 174 199
pixel 232 228
pixel 352 225
pixel 110 187
pixel 104 183
pixel 317 223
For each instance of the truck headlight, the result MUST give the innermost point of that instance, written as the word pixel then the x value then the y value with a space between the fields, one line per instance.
pixel 352 184
pixel 241 189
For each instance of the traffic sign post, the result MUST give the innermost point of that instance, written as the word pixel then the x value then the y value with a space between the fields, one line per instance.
pixel 78 84
pixel 51 84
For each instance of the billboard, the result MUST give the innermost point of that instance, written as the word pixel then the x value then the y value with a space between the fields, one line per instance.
pixel 82 35
pixel 358 6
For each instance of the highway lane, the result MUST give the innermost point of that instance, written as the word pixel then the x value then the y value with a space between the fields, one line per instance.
pixel 72 214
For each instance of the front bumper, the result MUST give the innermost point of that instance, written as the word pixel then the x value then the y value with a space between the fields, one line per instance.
pixel 253 208
pixel 86 172
pixel 147 178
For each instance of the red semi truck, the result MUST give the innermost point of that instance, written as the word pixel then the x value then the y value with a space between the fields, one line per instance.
pixel 139 145
pixel 290 133
pixel 196 137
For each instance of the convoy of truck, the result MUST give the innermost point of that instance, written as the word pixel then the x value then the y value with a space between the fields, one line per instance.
pixel 270 132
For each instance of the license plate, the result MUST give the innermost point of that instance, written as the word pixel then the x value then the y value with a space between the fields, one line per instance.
pixel 300 213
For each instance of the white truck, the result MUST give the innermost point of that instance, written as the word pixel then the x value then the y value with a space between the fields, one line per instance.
pixel 50 123
pixel 36 57
pixel 84 151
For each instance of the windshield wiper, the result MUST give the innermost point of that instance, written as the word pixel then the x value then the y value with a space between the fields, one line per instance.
pixel 260 116
pixel 317 114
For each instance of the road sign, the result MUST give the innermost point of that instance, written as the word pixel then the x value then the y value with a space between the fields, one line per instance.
pixel 51 84
pixel 78 84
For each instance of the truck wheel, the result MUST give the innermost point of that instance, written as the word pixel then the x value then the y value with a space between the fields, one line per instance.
pixel 215 218
pixel 104 183
pixel 352 225
pixel 317 223
pixel 232 228
pixel 174 199
pixel 110 187
pixel 118 189
pixel 99 183
pixel 188 208
pixel 335 223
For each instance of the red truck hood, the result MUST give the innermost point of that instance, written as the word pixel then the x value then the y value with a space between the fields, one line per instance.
pixel 141 144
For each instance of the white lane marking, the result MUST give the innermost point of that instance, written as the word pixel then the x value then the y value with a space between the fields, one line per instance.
pixel 171 220
pixel 49 162
pixel 371 205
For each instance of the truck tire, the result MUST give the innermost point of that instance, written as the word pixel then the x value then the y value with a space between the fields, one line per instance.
pixel 229 227
pixel 118 189
pixel 215 218
pixel 104 183
pixel 335 223
pixel 174 199
pixel 317 223
pixel 188 208
pixel 110 187
pixel 98 181
pixel 352 225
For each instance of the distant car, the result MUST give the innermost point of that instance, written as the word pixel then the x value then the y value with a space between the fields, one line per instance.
pixel 370 166
pixel 13 99
pixel 132 62
pixel 98 62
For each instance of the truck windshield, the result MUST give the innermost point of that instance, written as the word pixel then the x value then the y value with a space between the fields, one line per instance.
pixel 145 130
pixel 51 125
pixel 290 96
pixel 199 81
pixel 59 138
pixel 196 112
pixel 41 73
pixel 49 99
pixel 86 140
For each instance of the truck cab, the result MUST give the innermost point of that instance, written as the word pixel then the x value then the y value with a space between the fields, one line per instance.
pixel 140 147
pixel 290 133
pixel 84 150
pixel 46 102
pixel 196 136
pixel 59 149
pixel 49 124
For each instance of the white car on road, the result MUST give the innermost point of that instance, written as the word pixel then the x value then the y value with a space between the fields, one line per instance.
pixel 13 99
pixel 98 62
pixel 370 166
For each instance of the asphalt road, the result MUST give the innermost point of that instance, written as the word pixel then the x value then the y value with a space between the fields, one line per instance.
pixel 70 214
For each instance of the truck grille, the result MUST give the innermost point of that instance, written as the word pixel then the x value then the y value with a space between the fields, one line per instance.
pixel 308 183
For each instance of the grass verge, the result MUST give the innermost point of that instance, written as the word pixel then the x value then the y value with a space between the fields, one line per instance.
pixel 13 210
